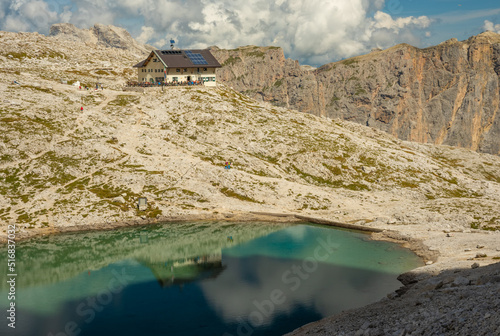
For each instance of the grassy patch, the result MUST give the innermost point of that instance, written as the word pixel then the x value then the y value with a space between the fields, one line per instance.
pixel 230 193
pixel 78 184
pixel 267 158
pixel 409 184
pixel 333 170
pixel 357 186
pixel 317 179
pixel 124 100
pixel 359 91
pixel 349 62
pixel 256 53
pixel 334 99
pixel 37 88
pixel 16 55
pixel 150 213
pixel 106 191
pixel 231 60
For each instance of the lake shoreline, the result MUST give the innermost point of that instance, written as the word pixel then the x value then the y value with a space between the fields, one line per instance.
pixel 415 245
pixel 438 248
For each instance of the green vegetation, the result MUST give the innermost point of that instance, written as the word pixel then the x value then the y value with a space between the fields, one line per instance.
pixel 409 184
pixel 359 91
pixel 79 184
pixel 231 60
pixel 256 53
pixel 38 88
pixel 316 179
pixel 333 170
pixel 106 191
pixel 231 193
pixel 16 55
pixel 143 151
pixel 357 186
pixel 152 212
pixel 270 159
pixel 334 99
pixel 349 62
pixel 124 100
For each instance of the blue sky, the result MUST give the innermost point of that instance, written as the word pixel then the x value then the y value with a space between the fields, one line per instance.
pixel 451 18
pixel 314 32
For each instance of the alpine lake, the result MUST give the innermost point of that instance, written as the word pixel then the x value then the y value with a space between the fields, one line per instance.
pixel 195 278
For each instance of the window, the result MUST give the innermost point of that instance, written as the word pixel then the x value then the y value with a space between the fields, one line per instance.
pixel 204 69
pixel 177 70
pixel 175 79
pixel 185 70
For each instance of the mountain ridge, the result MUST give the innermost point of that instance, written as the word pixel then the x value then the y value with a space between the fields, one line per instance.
pixel 446 94
pixel 99 34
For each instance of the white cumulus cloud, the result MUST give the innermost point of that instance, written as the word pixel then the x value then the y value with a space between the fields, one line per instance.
pixel 28 15
pixel 488 25
pixel 146 34
pixel 312 31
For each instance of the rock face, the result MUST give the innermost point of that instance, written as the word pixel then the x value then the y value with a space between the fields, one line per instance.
pixel 447 94
pixel 101 35
pixel 455 302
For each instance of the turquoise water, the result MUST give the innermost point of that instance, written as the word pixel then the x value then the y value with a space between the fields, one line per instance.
pixel 197 279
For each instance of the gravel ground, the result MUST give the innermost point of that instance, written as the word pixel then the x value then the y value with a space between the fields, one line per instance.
pixel 455 302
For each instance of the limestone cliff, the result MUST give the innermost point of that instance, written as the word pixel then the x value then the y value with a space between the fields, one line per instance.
pixel 447 94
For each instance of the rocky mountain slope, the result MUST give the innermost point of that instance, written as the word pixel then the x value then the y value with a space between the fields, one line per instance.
pixel 99 35
pixel 61 167
pixel 448 94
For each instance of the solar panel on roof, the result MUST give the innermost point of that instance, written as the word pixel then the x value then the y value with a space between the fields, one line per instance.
pixel 196 58
pixel 171 52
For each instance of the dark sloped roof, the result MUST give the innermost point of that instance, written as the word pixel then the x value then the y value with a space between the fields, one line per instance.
pixel 140 64
pixel 180 59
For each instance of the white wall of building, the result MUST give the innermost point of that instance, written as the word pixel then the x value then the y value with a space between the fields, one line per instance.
pixel 154 72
